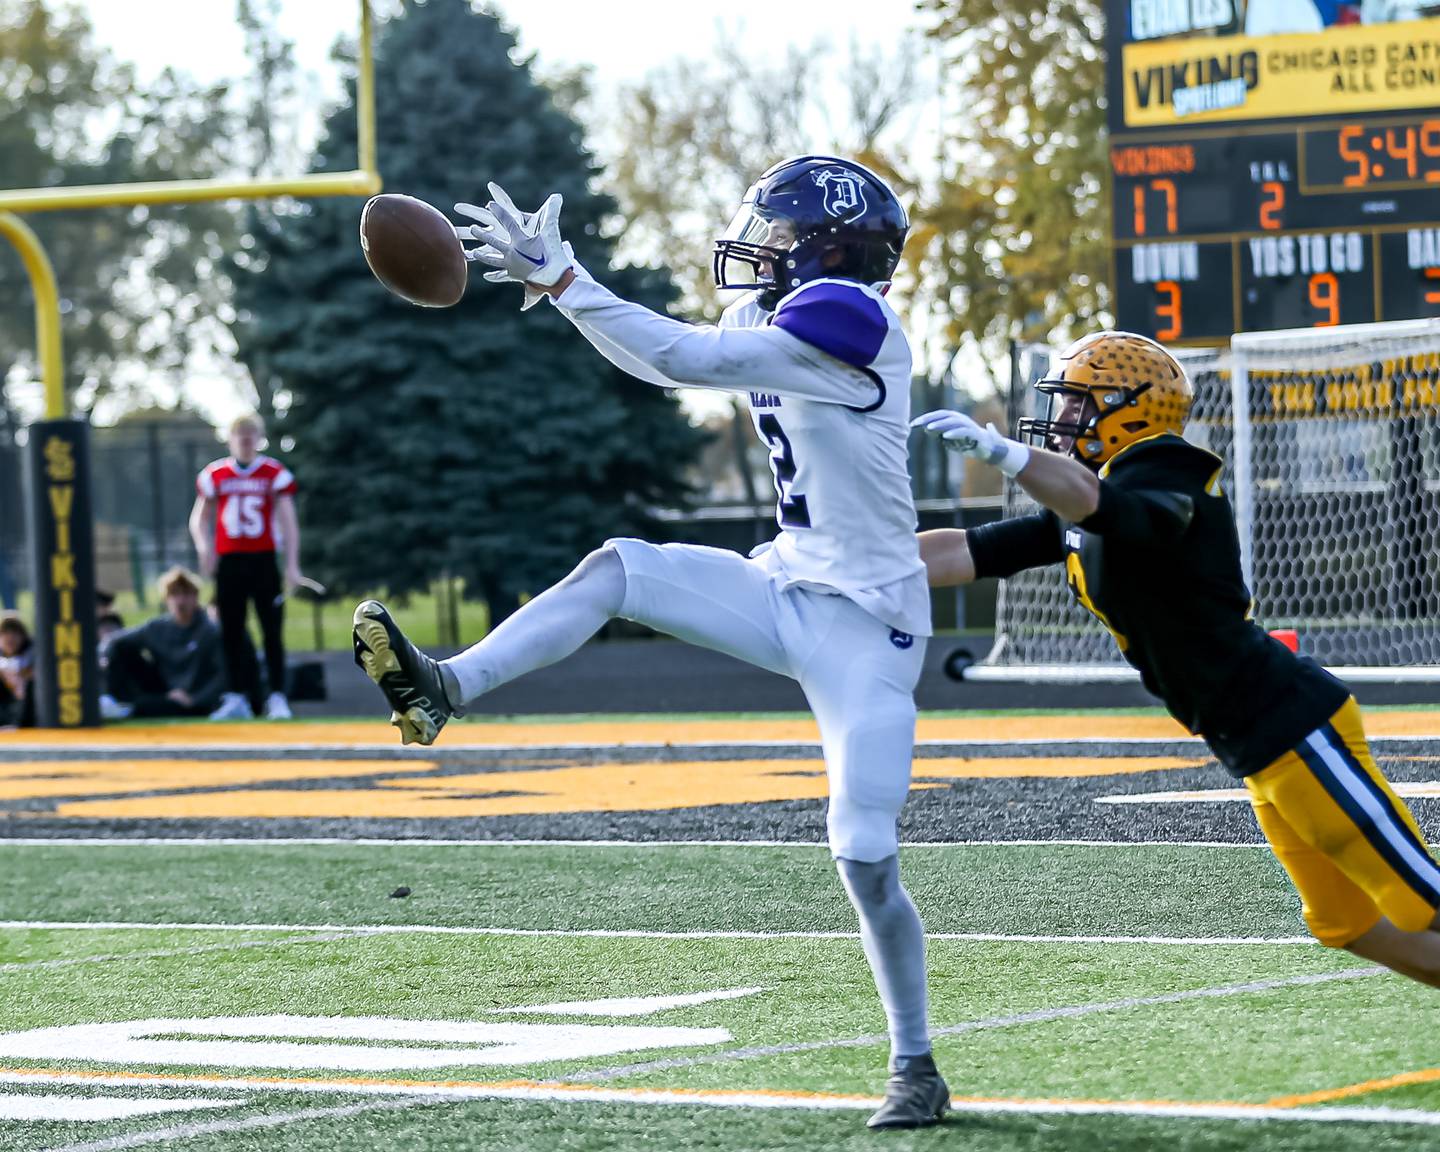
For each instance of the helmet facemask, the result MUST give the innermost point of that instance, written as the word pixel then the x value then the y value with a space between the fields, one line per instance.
pixel 1073 422
pixel 1068 427
pixel 751 253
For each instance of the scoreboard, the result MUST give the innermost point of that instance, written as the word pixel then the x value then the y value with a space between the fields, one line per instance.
pixel 1243 204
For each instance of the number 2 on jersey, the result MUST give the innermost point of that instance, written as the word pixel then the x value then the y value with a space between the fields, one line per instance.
pixel 794 512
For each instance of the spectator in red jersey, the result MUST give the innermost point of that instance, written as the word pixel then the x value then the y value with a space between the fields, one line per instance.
pixel 245 507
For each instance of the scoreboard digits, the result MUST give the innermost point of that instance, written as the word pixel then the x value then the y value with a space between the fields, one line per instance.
pixel 1299 226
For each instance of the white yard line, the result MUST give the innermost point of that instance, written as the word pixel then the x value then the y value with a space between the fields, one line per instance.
pixel 165 953
pixel 421 1093
pixel 216 1127
pixel 358 930
pixel 1040 1016
pixel 373 842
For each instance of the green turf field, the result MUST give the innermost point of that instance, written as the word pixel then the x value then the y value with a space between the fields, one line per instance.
pixel 1088 997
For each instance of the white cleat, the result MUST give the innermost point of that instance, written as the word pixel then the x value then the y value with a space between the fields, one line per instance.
pixel 277 707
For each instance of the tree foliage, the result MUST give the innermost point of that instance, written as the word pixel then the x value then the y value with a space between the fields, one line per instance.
pixel 474 441
pixel 138 287
pixel 1017 233
pixel 691 136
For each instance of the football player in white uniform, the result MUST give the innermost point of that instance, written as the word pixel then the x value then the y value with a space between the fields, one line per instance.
pixel 839 602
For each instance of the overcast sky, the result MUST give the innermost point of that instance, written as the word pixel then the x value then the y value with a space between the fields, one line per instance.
pixel 620 41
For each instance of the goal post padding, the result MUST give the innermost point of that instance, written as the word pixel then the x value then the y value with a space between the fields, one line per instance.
pixel 1331 443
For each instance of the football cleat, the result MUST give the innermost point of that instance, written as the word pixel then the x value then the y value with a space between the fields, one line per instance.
pixel 410 679
pixel 916 1095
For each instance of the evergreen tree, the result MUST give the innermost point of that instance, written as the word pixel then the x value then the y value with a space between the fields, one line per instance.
pixel 472 441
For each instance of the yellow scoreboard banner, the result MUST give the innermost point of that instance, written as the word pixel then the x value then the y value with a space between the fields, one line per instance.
pixel 1336 72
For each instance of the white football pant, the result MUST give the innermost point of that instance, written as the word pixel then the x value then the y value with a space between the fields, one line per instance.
pixel 858 674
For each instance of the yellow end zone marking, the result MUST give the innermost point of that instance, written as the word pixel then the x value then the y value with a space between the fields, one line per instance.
pixel 1364 1088
pixel 37 779
pixel 670 729
pixel 575 789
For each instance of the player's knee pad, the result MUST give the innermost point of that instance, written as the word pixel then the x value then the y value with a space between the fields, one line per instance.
pixel 602 573
pixel 869 770
pixel 860 832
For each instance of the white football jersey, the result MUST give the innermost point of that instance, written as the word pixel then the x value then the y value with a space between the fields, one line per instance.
pixel 842 471
pixel 828 379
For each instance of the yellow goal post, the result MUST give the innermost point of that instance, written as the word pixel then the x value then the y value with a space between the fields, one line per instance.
pixel 66 682
pixel 363 181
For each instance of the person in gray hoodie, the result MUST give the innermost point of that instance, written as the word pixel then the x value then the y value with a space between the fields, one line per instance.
pixel 169 666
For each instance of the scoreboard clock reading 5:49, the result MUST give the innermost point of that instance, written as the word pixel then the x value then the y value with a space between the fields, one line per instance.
pixel 1275 164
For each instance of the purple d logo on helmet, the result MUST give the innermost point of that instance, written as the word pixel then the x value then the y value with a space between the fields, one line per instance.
pixel 844 194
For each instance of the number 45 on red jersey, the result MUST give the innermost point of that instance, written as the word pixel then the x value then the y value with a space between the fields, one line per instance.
pixel 245 520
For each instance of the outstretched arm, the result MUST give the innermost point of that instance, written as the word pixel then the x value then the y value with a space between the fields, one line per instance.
pixel 1063 485
pixel 705 356
pixel 526 247
pixel 961 556
pixel 946 553
pixel 1156 510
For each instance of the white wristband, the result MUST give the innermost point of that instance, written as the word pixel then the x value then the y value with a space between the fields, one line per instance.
pixel 1013 458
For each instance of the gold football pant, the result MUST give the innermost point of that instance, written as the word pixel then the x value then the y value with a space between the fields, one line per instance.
pixel 1348 842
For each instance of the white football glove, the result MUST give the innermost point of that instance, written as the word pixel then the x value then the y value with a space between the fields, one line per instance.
pixel 521 247
pixel 988 445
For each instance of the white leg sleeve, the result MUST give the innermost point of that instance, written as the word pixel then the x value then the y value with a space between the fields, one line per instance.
pixel 894 942
pixel 545 630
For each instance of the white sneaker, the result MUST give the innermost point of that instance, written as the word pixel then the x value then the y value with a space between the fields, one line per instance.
pixel 278 708
pixel 233 706
pixel 112 709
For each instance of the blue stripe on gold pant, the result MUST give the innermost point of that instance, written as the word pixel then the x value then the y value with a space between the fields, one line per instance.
pixel 1352 788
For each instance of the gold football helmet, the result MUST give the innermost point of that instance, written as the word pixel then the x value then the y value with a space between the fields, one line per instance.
pixel 1108 390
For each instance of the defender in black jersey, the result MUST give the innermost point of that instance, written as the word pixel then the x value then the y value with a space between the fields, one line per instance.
pixel 1136 515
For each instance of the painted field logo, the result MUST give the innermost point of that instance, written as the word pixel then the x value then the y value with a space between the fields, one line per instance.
pixel 296 1042
pixel 285 1041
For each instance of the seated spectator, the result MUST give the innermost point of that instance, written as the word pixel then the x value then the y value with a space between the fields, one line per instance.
pixel 107 627
pixel 169 666
pixel 17 673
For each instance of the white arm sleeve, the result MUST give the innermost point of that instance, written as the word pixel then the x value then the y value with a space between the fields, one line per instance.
pixel 679 355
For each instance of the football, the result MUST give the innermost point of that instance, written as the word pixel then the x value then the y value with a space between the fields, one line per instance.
pixel 413 250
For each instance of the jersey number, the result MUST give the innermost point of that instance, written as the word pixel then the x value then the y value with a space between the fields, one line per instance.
pixel 244 517
pixel 794 512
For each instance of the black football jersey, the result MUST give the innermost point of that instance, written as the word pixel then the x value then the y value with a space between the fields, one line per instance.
pixel 1158 563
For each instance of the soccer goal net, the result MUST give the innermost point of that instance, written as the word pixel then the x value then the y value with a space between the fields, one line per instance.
pixel 1331 443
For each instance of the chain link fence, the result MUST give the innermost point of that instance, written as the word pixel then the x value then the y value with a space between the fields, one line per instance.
pixel 143 489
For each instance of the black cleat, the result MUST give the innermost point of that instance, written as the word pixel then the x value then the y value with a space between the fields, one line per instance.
pixel 916 1095
pixel 410 679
